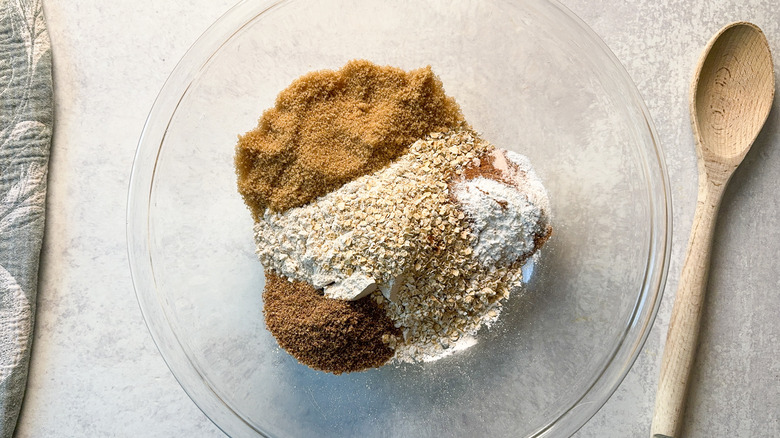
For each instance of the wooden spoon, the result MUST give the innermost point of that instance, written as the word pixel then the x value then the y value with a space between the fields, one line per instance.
pixel 731 95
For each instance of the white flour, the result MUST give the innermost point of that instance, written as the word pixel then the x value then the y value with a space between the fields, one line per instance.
pixel 507 217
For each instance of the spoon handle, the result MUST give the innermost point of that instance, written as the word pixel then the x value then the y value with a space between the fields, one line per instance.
pixel 680 349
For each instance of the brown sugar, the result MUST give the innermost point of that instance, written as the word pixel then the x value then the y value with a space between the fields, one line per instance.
pixel 330 127
pixel 325 334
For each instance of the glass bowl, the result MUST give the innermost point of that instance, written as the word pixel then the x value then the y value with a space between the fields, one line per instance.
pixel 529 76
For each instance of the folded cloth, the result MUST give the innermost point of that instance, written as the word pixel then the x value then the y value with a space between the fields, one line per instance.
pixel 25 137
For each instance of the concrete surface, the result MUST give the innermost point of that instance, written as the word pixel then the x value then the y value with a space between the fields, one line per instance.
pixel 95 370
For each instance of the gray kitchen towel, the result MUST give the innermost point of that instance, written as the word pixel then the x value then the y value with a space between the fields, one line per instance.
pixel 25 137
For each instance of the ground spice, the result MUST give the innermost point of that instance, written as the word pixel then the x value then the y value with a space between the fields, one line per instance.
pixel 330 127
pixel 328 335
pixel 484 167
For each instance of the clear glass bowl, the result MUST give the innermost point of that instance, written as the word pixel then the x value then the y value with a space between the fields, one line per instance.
pixel 531 77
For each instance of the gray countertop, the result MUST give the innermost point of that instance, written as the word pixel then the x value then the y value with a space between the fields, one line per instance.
pixel 95 370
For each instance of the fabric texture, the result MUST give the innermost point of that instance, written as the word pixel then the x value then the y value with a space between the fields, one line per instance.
pixel 25 137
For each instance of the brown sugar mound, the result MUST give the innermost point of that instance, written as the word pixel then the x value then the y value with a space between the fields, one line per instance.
pixel 328 335
pixel 330 127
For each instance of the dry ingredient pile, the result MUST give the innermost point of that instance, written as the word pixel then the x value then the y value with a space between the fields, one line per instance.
pixel 388 228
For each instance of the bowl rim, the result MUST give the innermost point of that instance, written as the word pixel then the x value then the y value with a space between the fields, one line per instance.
pixel 199 389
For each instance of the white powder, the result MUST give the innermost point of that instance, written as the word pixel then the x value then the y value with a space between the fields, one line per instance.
pixel 504 221
pixel 527 181
pixel 507 216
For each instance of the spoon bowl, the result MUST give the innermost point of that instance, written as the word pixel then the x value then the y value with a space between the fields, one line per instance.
pixel 731 96
pixel 732 93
